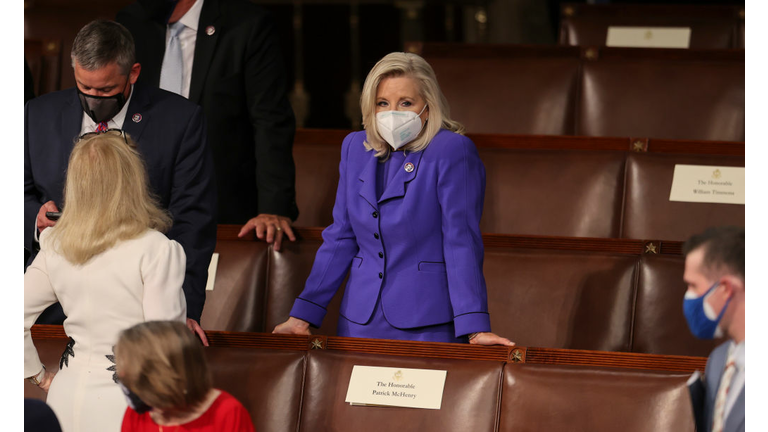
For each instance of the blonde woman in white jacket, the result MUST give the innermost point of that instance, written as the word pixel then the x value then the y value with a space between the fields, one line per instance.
pixel 110 266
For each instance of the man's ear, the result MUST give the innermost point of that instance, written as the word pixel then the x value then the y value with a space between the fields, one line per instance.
pixel 133 75
pixel 731 284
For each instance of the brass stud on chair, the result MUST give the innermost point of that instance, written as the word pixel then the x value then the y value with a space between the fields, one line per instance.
pixel 591 53
pixel 638 146
pixel 517 356
pixel 568 11
pixel 317 344
pixel 651 248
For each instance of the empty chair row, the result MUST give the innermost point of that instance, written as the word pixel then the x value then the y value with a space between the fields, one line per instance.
pixel 560 90
pixel 288 389
pixel 559 192
pixel 575 293
pixel 711 27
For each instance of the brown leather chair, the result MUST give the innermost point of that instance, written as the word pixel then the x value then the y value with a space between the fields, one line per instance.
pixel 237 300
pixel 560 299
pixel 556 193
pixel 712 27
pixel 287 274
pixel 574 398
pixel 523 94
pixel 470 399
pixel 648 213
pixel 697 100
pixel 317 178
pixel 659 325
pixel 267 382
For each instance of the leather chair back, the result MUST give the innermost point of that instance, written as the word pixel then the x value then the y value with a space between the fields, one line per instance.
pixel 317 178
pixel 518 95
pixel 659 325
pixel 267 382
pixel 712 27
pixel 648 212
pixel 559 299
pixel 556 193
pixel 470 398
pixel 288 272
pixel 574 398
pixel 236 302
pixel 695 100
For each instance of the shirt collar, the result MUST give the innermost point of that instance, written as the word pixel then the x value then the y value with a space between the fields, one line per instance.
pixel 192 17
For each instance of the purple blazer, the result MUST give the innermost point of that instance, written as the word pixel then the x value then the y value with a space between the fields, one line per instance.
pixel 418 247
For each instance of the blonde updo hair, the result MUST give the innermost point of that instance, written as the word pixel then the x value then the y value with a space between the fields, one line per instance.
pixel 163 363
pixel 398 64
pixel 106 198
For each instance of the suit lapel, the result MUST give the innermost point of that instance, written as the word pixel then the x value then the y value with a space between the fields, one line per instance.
pixel 204 47
pixel 368 178
pixel 155 51
pixel 396 188
pixel 71 123
pixel 735 420
pixel 137 117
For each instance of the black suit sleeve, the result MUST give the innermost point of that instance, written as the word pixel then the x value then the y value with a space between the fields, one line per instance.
pixel 193 207
pixel 32 198
pixel 273 122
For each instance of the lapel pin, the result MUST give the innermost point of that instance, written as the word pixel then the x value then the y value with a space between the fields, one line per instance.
pixel 210 30
pixel 409 167
pixel 136 118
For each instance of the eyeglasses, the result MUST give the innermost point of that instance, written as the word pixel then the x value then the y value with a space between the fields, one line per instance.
pixel 117 132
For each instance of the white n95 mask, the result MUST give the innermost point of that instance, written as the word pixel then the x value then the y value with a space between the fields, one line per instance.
pixel 398 128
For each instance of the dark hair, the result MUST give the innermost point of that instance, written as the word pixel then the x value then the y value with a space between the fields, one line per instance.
pixel 723 248
pixel 102 42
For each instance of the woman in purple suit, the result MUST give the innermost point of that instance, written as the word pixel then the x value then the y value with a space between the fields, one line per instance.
pixel 406 222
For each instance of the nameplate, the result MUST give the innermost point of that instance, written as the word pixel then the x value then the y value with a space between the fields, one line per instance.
pixel 399 387
pixel 212 271
pixel 708 184
pixel 649 37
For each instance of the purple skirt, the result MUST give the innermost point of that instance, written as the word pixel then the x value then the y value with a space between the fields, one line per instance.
pixel 379 328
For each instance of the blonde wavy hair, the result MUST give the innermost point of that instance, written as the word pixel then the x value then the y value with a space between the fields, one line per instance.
pixel 164 364
pixel 398 64
pixel 106 198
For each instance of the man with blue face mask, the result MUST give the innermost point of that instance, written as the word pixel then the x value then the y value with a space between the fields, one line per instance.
pixel 714 306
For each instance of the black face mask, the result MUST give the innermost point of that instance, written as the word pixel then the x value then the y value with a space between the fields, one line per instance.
pixel 101 108
pixel 134 401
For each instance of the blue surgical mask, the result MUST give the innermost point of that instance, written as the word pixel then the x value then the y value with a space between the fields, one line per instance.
pixel 702 320
pixel 134 401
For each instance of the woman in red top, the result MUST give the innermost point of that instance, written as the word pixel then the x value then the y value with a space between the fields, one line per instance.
pixel 163 372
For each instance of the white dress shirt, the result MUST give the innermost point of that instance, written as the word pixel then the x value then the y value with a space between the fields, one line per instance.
pixel 187 39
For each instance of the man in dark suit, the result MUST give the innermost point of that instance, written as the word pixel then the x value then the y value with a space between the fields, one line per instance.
pixel 170 133
pixel 714 305
pixel 230 64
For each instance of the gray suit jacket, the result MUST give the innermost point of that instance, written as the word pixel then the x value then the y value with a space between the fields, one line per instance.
pixel 715 368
